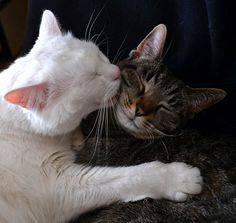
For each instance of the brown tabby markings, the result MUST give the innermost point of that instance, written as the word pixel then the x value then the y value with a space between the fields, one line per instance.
pixel 153 103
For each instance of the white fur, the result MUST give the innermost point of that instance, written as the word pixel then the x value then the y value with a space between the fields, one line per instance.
pixel 39 181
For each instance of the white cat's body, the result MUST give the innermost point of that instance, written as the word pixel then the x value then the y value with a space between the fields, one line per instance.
pixel 39 181
pixel 28 182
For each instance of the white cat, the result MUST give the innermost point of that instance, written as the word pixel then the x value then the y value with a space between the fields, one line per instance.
pixel 43 96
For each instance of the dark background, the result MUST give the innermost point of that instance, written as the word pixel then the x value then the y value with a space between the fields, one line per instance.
pixel 201 43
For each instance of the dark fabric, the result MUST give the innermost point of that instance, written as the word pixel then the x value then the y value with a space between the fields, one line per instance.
pixel 2 3
pixel 201 40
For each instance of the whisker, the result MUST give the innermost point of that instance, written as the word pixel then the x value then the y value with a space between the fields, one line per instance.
pixel 91 131
pixel 114 116
pixel 98 35
pixel 167 50
pixel 157 130
pixel 112 106
pixel 120 54
pixel 91 27
pixel 118 51
pixel 104 41
pixel 90 19
pixel 151 136
pixel 165 147
pixel 62 139
pixel 106 128
pixel 94 125
pixel 96 135
pixel 101 118
pixel 107 51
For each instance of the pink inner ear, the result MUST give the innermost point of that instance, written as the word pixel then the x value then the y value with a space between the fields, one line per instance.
pixel 152 45
pixel 31 97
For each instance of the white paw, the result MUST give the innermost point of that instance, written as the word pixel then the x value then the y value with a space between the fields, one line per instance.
pixel 181 180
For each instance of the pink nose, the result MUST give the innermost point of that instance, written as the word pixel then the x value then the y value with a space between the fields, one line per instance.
pixel 116 75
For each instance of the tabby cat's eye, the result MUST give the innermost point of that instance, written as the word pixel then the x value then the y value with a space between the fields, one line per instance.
pixel 130 102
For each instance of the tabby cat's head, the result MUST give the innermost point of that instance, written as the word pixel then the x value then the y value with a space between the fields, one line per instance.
pixel 153 103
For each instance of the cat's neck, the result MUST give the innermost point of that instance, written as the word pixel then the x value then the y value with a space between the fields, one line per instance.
pixel 11 118
pixel 15 124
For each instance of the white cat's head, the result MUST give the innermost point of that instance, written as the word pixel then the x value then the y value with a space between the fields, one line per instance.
pixel 60 81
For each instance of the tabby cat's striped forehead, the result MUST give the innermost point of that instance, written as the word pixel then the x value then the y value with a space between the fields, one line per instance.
pixel 144 68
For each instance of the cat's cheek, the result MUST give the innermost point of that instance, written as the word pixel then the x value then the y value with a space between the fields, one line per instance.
pixel 124 120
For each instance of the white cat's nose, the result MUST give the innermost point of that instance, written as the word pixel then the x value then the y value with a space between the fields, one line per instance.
pixel 116 73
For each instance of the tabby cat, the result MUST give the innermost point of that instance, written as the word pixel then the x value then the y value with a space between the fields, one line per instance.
pixel 154 104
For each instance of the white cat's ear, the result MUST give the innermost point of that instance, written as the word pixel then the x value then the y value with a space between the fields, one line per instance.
pixel 32 97
pixel 49 26
pixel 152 45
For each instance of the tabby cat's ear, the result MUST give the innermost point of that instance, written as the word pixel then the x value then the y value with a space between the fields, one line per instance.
pixel 49 26
pixel 203 98
pixel 31 97
pixel 152 45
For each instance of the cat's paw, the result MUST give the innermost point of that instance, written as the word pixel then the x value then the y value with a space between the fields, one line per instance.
pixel 181 180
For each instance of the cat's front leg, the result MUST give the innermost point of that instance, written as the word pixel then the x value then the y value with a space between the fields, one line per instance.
pixel 91 187
pixel 173 181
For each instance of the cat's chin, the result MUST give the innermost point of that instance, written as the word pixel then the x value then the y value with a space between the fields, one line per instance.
pixel 128 124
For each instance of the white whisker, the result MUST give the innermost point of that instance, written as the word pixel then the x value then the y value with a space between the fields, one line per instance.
pixel 114 115
pixel 91 131
pixel 106 130
pixel 96 135
pixel 104 41
pixel 99 130
pixel 118 51
pixel 119 55
pixel 90 19
pixel 91 27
